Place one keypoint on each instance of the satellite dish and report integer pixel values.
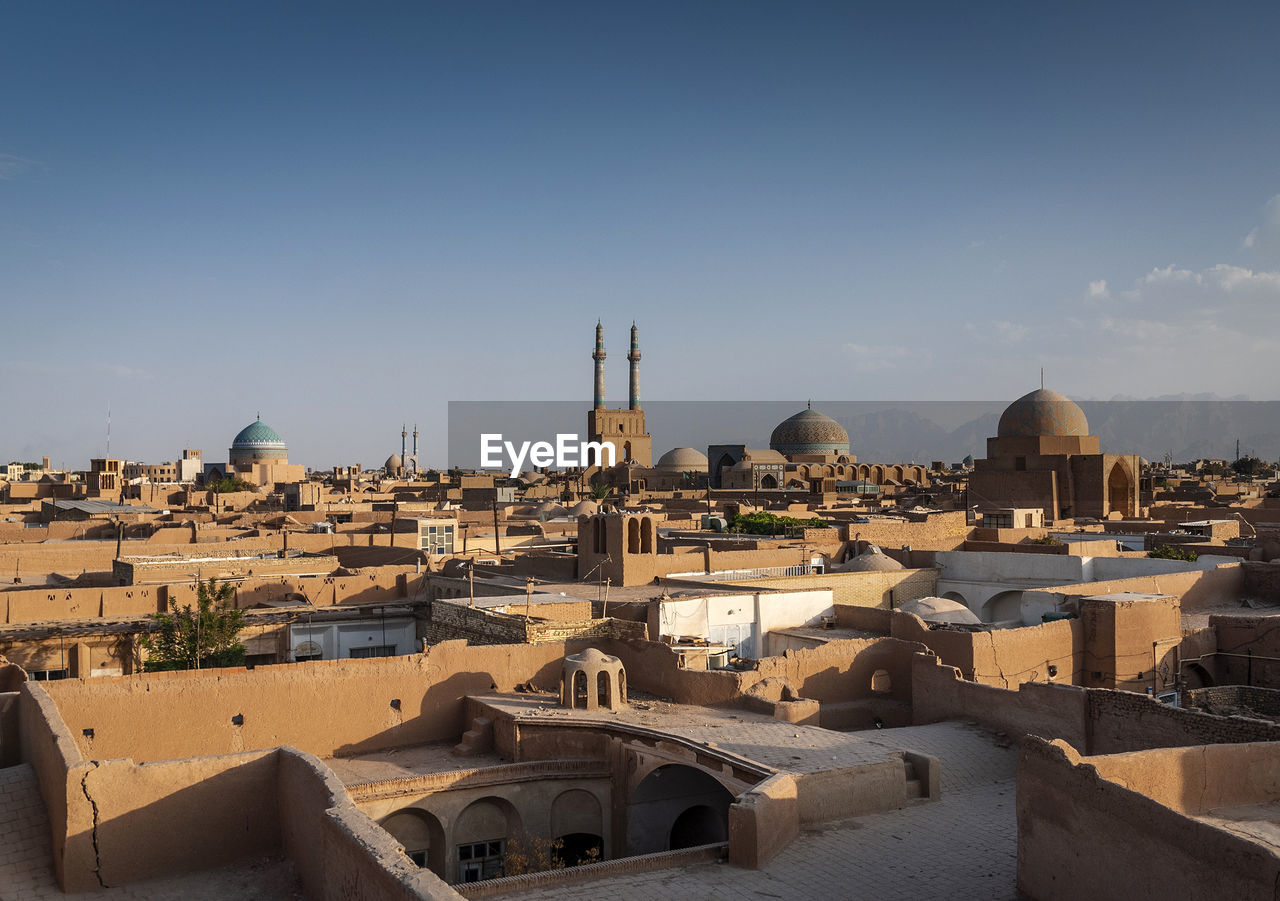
(307, 649)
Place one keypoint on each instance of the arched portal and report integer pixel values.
(633, 536)
(646, 536)
(768, 481)
(1119, 491)
(1003, 607)
(667, 794)
(699, 825)
(421, 835)
(578, 825)
(480, 836)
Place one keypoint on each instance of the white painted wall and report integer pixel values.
(742, 620)
(336, 639)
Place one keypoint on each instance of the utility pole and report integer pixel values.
(497, 535)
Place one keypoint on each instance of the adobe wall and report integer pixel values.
(178, 816)
(47, 745)
(1099, 721)
(1002, 657)
(763, 821)
(1261, 580)
(940, 532)
(1195, 589)
(10, 751)
(324, 707)
(44, 604)
(837, 674)
(1081, 835)
(1198, 780)
(1035, 708)
(338, 852)
(866, 589)
(1121, 721)
(1244, 643)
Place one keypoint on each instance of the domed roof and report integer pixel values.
(584, 508)
(683, 459)
(941, 610)
(1042, 412)
(871, 560)
(592, 656)
(393, 463)
(809, 432)
(257, 435)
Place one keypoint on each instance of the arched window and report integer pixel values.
(646, 536)
(880, 681)
(633, 536)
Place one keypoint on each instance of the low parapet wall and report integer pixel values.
(1083, 834)
(1096, 720)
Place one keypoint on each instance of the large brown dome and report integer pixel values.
(1042, 412)
(809, 432)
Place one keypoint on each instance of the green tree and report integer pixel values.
(197, 637)
(1248, 466)
(764, 523)
(1169, 552)
(229, 485)
(600, 490)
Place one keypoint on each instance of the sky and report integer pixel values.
(341, 217)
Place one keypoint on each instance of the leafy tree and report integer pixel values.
(600, 490)
(763, 523)
(229, 485)
(1248, 466)
(200, 637)
(1169, 552)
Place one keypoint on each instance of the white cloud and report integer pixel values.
(1264, 238)
(13, 166)
(1099, 288)
(877, 357)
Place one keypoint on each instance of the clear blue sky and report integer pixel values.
(344, 216)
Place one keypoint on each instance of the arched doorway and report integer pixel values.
(699, 825)
(667, 794)
(1119, 491)
(633, 536)
(768, 481)
(421, 835)
(578, 826)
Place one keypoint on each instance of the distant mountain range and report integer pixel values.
(1187, 426)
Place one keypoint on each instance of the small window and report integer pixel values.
(377, 650)
(880, 681)
(47, 675)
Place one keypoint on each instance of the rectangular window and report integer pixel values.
(480, 860)
(377, 650)
(47, 675)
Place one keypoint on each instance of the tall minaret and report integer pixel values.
(598, 356)
(415, 448)
(404, 433)
(634, 357)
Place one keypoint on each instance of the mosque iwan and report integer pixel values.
(1048, 671)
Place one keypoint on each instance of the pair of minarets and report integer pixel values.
(404, 433)
(634, 357)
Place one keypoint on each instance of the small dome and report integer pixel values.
(393, 464)
(258, 435)
(1042, 412)
(872, 560)
(941, 610)
(809, 432)
(548, 509)
(592, 655)
(584, 508)
(683, 459)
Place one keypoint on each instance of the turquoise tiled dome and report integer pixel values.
(258, 435)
